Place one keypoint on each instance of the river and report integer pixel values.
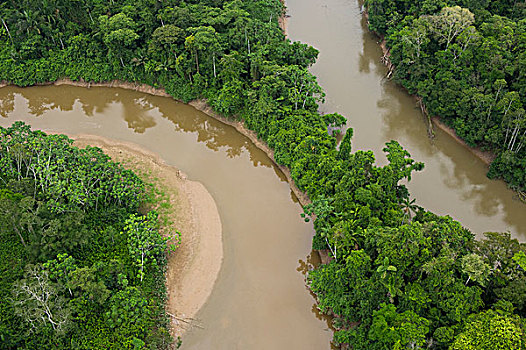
(454, 181)
(259, 300)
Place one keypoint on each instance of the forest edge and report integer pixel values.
(486, 156)
(194, 267)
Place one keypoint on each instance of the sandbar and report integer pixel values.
(193, 268)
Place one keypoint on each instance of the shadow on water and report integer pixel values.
(263, 234)
(455, 166)
(304, 267)
(137, 111)
(91, 102)
(369, 56)
(454, 180)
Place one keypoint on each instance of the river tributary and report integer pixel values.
(349, 69)
(260, 300)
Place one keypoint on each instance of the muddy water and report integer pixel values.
(350, 71)
(260, 300)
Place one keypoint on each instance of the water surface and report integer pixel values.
(349, 69)
(260, 300)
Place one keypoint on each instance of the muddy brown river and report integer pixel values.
(349, 69)
(260, 300)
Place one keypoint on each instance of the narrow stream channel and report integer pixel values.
(260, 300)
(349, 69)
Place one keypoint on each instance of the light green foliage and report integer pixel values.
(414, 40)
(443, 335)
(347, 289)
(303, 89)
(61, 209)
(475, 268)
(145, 244)
(388, 277)
(398, 330)
(203, 40)
(490, 330)
(164, 46)
(118, 31)
(398, 273)
(520, 259)
(67, 177)
(400, 162)
(60, 269)
(450, 23)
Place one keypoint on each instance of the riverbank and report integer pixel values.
(283, 20)
(185, 206)
(486, 156)
(200, 105)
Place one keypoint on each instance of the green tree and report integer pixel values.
(166, 39)
(490, 330)
(145, 245)
(204, 40)
(388, 277)
(85, 282)
(128, 307)
(11, 211)
(60, 269)
(520, 259)
(398, 331)
(451, 22)
(477, 270)
(118, 34)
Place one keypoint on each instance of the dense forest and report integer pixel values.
(80, 267)
(399, 276)
(466, 60)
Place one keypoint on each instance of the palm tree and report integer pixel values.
(408, 207)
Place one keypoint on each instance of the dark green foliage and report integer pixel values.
(400, 277)
(466, 60)
(64, 264)
(427, 276)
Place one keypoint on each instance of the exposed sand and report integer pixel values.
(193, 268)
(486, 156)
(197, 104)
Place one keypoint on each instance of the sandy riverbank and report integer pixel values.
(200, 105)
(193, 268)
(486, 156)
